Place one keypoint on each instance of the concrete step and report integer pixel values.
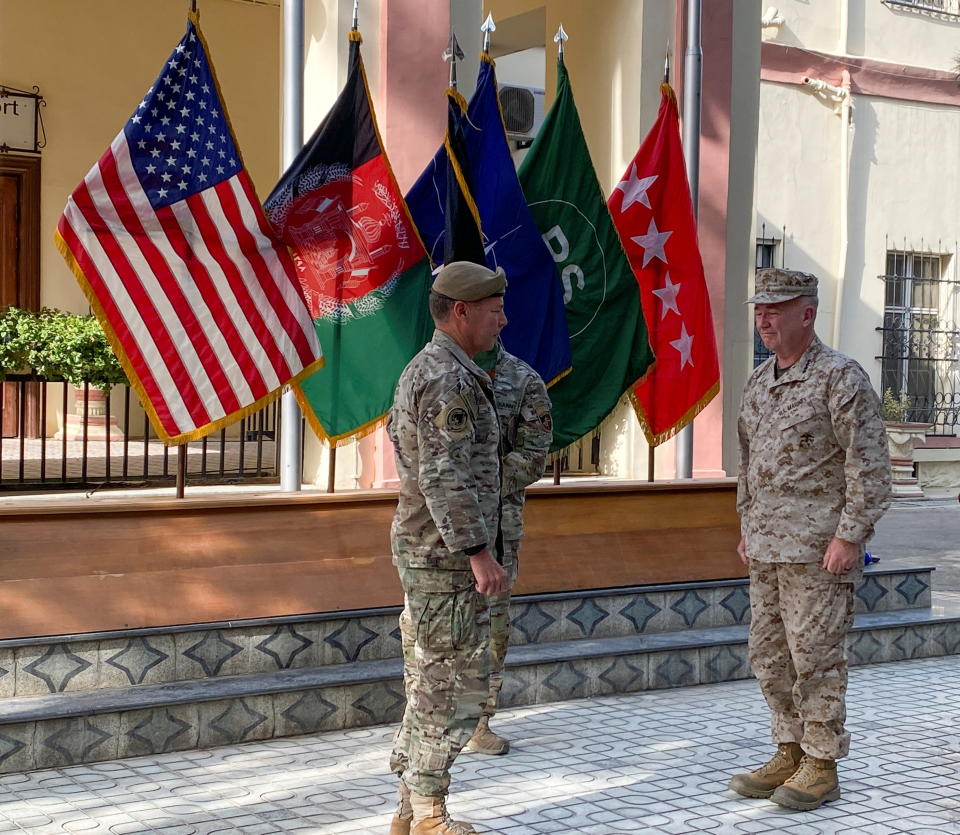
(65, 728)
(147, 657)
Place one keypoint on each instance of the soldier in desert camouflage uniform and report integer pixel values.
(814, 479)
(526, 430)
(446, 539)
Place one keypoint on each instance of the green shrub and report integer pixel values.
(894, 409)
(57, 346)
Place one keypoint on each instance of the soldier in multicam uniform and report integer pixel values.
(446, 540)
(526, 430)
(814, 479)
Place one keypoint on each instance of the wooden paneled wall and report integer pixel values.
(108, 564)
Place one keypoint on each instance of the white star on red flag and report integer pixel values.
(684, 345)
(668, 297)
(635, 189)
(652, 243)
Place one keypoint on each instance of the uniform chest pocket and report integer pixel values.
(805, 426)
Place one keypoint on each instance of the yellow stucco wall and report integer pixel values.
(615, 58)
(93, 61)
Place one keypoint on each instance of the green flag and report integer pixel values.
(608, 335)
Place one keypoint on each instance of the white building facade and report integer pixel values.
(858, 181)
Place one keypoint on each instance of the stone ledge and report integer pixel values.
(107, 701)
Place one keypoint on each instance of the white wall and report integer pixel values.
(873, 29)
(905, 185)
(904, 193)
(797, 185)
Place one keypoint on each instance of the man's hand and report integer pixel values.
(840, 556)
(742, 551)
(490, 576)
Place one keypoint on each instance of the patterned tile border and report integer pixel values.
(51, 743)
(145, 659)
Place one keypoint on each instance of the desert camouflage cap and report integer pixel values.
(775, 284)
(468, 282)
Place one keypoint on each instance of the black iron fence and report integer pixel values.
(103, 442)
(942, 411)
(920, 342)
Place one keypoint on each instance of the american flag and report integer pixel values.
(167, 238)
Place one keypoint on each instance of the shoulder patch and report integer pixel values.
(455, 418)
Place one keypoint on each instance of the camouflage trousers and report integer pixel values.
(499, 605)
(800, 615)
(445, 632)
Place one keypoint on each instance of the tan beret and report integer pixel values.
(776, 285)
(468, 282)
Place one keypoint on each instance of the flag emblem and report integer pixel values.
(346, 248)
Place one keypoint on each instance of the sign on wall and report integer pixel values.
(20, 125)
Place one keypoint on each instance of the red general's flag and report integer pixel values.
(652, 211)
(168, 241)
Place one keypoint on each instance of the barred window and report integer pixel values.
(766, 257)
(920, 339)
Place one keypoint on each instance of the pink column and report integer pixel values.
(412, 115)
(716, 41)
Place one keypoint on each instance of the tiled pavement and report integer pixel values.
(654, 762)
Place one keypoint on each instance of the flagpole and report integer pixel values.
(692, 77)
(182, 448)
(651, 449)
(291, 419)
(332, 459)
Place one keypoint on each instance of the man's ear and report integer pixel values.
(460, 309)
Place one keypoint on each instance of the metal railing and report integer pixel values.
(920, 343)
(947, 8)
(942, 411)
(93, 448)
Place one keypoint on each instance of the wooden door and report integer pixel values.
(9, 259)
(20, 268)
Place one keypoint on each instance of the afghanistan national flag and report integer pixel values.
(608, 335)
(364, 271)
(652, 210)
(476, 153)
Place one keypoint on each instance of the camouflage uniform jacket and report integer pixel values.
(813, 457)
(445, 433)
(526, 431)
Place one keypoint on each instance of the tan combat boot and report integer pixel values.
(430, 817)
(403, 818)
(775, 772)
(814, 784)
(485, 741)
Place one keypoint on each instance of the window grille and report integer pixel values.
(935, 8)
(766, 257)
(920, 337)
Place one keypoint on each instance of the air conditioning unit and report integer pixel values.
(522, 111)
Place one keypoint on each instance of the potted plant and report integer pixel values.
(67, 347)
(902, 435)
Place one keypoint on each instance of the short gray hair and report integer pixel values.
(440, 306)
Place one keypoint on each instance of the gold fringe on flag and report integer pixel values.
(137, 385)
(655, 440)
